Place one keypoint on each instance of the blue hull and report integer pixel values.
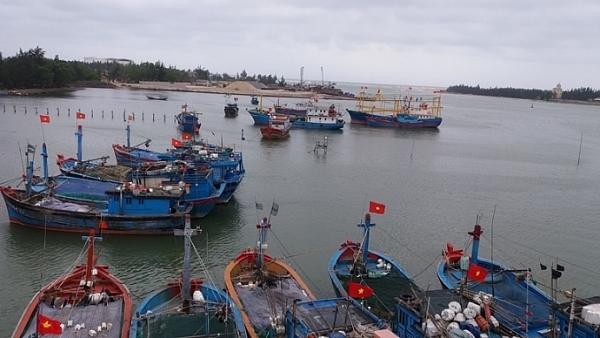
(203, 320)
(25, 212)
(188, 122)
(386, 121)
(316, 125)
(259, 117)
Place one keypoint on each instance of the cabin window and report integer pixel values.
(116, 198)
(127, 200)
(140, 201)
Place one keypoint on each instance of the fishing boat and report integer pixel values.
(231, 110)
(332, 317)
(188, 307)
(397, 111)
(367, 275)
(126, 209)
(513, 287)
(263, 287)
(320, 118)
(188, 120)
(279, 128)
(160, 97)
(260, 116)
(87, 300)
(254, 100)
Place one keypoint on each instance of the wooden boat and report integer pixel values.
(160, 97)
(231, 110)
(513, 287)
(279, 128)
(254, 100)
(187, 121)
(187, 307)
(320, 118)
(369, 276)
(332, 317)
(85, 301)
(263, 287)
(427, 109)
(260, 116)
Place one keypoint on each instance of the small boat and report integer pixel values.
(369, 276)
(263, 286)
(188, 120)
(85, 301)
(514, 287)
(279, 128)
(332, 317)
(160, 97)
(320, 118)
(187, 307)
(254, 101)
(231, 110)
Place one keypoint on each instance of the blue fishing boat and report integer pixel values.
(263, 287)
(521, 298)
(332, 317)
(368, 276)
(320, 118)
(188, 120)
(260, 116)
(402, 121)
(187, 307)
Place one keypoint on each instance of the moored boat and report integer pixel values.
(514, 287)
(254, 100)
(85, 301)
(279, 128)
(187, 121)
(402, 121)
(320, 118)
(367, 275)
(188, 307)
(160, 97)
(231, 110)
(263, 286)
(259, 116)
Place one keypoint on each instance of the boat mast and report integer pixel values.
(128, 136)
(79, 134)
(263, 226)
(44, 161)
(476, 234)
(187, 234)
(366, 225)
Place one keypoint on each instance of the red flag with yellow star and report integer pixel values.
(476, 273)
(48, 326)
(376, 208)
(357, 290)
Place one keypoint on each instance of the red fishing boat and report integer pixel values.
(87, 299)
(278, 128)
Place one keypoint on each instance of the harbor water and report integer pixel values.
(529, 172)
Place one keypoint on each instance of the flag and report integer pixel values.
(183, 106)
(543, 267)
(528, 313)
(30, 148)
(357, 290)
(560, 267)
(80, 115)
(376, 208)
(45, 118)
(48, 326)
(186, 136)
(175, 142)
(556, 274)
(274, 209)
(130, 118)
(258, 206)
(476, 273)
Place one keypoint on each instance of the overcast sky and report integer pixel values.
(491, 43)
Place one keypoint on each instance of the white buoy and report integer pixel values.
(92, 333)
(448, 315)
(198, 296)
(455, 306)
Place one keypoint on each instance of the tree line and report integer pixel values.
(579, 94)
(31, 69)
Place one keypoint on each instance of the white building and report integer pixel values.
(93, 59)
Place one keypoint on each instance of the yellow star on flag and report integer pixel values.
(361, 290)
(46, 324)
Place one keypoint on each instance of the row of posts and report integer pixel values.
(130, 117)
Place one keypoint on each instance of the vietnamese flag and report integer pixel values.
(80, 115)
(376, 208)
(48, 326)
(357, 290)
(45, 118)
(476, 273)
(175, 142)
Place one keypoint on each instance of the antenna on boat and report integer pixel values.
(187, 234)
(580, 143)
(492, 246)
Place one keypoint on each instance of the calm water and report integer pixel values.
(489, 153)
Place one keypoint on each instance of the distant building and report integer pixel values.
(93, 59)
(557, 92)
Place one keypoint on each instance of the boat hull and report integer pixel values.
(259, 118)
(317, 125)
(31, 215)
(388, 121)
(231, 110)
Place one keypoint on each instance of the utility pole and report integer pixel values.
(301, 76)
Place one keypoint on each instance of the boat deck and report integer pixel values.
(332, 315)
(258, 300)
(91, 315)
